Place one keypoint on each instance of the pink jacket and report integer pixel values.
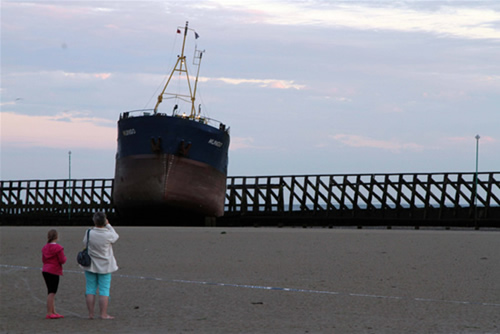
(53, 258)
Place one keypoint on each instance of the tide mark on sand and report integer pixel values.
(271, 288)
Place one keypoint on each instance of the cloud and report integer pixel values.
(265, 83)
(86, 76)
(490, 78)
(390, 108)
(9, 103)
(360, 141)
(59, 75)
(446, 20)
(460, 141)
(238, 143)
(65, 130)
(449, 95)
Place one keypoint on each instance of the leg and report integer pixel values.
(90, 292)
(103, 305)
(104, 283)
(90, 305)
(51, 303)
(52, 282)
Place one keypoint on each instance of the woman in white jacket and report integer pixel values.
(98, 274)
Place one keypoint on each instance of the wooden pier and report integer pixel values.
(368, 199)
(417, 199)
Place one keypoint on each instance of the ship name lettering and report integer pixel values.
(129, 132)
(215, 142)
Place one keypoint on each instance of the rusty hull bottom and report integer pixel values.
(168, 185)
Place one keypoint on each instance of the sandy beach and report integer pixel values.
(264, 280)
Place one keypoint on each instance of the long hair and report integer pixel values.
(51, 236)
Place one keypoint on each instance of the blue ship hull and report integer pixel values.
(170, 162)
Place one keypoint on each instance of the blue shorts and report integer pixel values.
(95, 281)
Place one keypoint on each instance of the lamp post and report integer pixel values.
(69, 163)
(69, 178)
(475, 185)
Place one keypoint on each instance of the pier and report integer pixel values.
(405, 199)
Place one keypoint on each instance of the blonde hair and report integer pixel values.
(51, 236)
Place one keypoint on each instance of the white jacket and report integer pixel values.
(101, 240)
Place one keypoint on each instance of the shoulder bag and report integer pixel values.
(83, 257)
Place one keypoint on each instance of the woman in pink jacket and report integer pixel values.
(53, 258)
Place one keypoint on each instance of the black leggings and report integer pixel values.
(52, 282)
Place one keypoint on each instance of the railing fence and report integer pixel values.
(425, 197)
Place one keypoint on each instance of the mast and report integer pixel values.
(181, 60)
(198, 55)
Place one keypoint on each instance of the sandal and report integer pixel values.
(52, 316)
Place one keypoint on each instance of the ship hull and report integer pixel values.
(168, 180)
(168, 164)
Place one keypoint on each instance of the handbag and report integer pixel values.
(83, 257)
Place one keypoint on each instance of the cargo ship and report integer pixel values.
(175, 161)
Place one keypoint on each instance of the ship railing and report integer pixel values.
(137, 113)
(201, 119)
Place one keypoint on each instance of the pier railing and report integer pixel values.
(423, 197)
(41, 200)
(418, 198)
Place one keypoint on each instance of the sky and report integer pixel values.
(306, 87)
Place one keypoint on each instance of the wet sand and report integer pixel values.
(264, 280)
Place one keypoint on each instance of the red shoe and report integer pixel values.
(52, 316)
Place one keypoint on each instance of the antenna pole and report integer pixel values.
(184, 43)
(193, 109)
